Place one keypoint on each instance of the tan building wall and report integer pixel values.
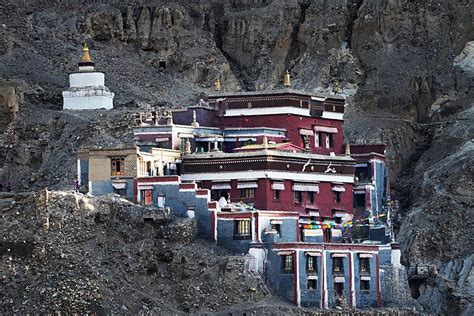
(100, 168)
(162, 156)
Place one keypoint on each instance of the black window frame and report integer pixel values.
(287, 265)
(365, 285)
(117, 163)
(276, 227)
(338, 285)
(238, 234)
(337, 196)
(310, 197)
(245, 193)
(338, 268)
(312, 284)
(297, 197)
(364, 265)
(276, 195)
(320, 140)
(311, 265)
(330, 140)
(358, 201)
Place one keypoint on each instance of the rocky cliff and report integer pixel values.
(406, 68)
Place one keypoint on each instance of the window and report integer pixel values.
(318, 139)
(364, 265)
(276, 195)
(247, 193)
(327, 235)
(305, 141)
(118, 166)
(287, 263)
(365, 285)
(121, 192)
(359, 200)
(242, 229)
(162, 65)
(311, 264)
(277, 228)
(361, 173)
(182, 144)
(330, 140)
(337, 197)
(339, 288)
(146, 197)
(297, 196)
(337, 265)
(312, 285)
(310, 197)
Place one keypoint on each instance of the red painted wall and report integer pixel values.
(264, 198)
(292, 123)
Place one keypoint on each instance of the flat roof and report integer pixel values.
(273, 92)
(268, 152)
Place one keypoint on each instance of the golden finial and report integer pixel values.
(86, 58)
(287, 80)
(217, 85)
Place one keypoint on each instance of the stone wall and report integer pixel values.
(11, 101)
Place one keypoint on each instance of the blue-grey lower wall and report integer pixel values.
(130, 189)
(203, 219)
(225, 237)
(105, 187)
(101, 187)
(281, 283)
(330, 279)
(365, 298)
(309, 297)
(84, 169)
(287, 232)
(172, 198)
(180, 202)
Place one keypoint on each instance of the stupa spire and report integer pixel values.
(86, 63)
(86, 57)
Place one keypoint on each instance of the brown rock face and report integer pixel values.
(11, 101)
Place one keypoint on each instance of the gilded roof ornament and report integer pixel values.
(217, 85)
(86, 58)
(287, 80)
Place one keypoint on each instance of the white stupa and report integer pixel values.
(87, 89)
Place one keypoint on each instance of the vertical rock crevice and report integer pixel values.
(353, 7)
(297, 46)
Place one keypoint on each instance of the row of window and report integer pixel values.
(242, 229)
(249, 194)
(312, 267)
(298, 197)
(319, 140)
(312, 285)
(337, 268)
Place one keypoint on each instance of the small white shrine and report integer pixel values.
(87, 88)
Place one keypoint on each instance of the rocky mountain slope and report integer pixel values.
(65, 252)
(406, 68)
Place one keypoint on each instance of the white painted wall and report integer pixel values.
(259, 255)
(87, 102)
(87, 92)
(86, 79)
